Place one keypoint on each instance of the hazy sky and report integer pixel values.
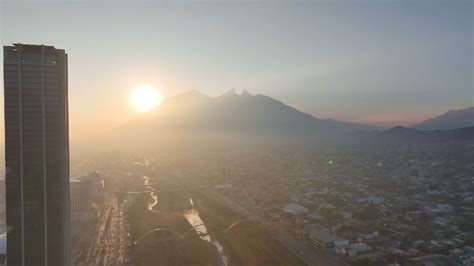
(369, 61)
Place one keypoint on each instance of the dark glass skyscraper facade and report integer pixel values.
(36, 155)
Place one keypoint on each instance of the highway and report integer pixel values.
(110, 244)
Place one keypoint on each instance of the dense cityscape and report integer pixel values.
(237, 133)
(278, 188)
(337, 205)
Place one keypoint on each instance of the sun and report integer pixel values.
(145, 97)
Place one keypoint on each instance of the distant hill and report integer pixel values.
(231, 114)
(193, 120)
(400, 134)
(450, 120)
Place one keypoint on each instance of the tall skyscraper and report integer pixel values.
(36, 155)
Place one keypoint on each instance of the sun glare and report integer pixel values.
(145, 97)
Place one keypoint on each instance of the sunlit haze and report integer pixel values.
(376, 62)
(145, 97)
(223, 132)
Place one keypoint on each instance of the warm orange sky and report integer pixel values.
(383, 62)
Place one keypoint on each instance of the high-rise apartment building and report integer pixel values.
(36, 155)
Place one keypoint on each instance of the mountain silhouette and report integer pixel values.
(403, 135)
(233, 113)
(450, 120)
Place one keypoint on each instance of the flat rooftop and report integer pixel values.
(325, 236)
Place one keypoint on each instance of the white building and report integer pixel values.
(295, 209)
(324, 239)
(373, 200)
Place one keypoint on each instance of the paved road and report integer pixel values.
(110, 245)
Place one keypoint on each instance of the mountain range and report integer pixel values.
(450, 120)
(400, 134)
(235, 113)
(236, 116)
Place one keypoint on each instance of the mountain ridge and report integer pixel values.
(236, 113)
(196, 118)
(404, 135)
(451, 119)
